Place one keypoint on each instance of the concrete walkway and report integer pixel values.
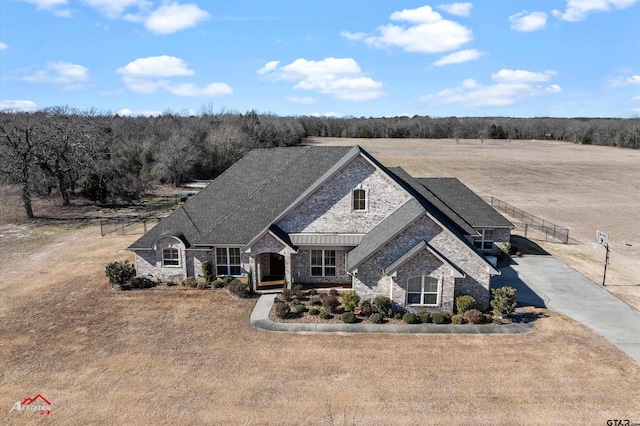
(260, 319)
(544, 281)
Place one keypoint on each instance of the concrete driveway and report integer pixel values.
(544, 281)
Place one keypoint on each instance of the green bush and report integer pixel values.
(314, 311)
(424, 317)
(464, 303)
(282, 310)
(296, 302)
(120, 273)
(437, 318)
(227, 280)
(203, 284)
(506, 248)
(504, 301)
(376, 318)
(350, 300)
(325, 315)
(298, 309)
(190, 282)
(217, 284)
(383, 305)
(330, 303)
(238, 288)
(171, 283)
(207, 270)
(487, 318)
(458, 319)
(140, 282)
(348, 317)
(410, 318)
(474, 316)
(315, 300)
(366, 308)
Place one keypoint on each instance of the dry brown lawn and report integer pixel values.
(581, 187)
(191, 357)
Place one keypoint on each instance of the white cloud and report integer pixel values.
(459, 57)
(60, 72)
(340, 78)
(18, 105)
(46, 4)
(458, 9)
(428, 32)
(174, 17)
(190, 89)
(148, 75)
(510, 87)
(3, 46)
(577, 10)
(269, 66)
(626, 81)
(156, 66)
(528, 22)
(305, 100)
(114, 9)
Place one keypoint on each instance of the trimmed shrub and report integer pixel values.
(464, 303)
(315, 300)
(237, 288)
(227, 280)
(348, 317)
(330, 303)
(474, 316)
(314, 311)
(325, 315)
(333, 292)
(202, 285)
(217, 284)
(138, 282)
(119, 273)
(437, 318)
(207, 270)
(366, 308)
(297, 291)
(506, 248)
(487, 318)
(504, 301)
(458, 319)
(171, 283)
(190, 282)
(410, 318)
(383, 305)
(298, 309)
(296, 302)
(282, 310)
(424, 317)
(376, 318)
(286, 294)
(350, 300)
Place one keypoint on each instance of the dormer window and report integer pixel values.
(359, 199)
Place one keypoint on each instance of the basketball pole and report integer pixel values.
(606, 262)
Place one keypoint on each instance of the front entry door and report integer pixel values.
(276, 264)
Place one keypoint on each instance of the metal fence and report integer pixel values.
(130, 225)
(532, 222)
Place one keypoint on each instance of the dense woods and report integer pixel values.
(62, 151)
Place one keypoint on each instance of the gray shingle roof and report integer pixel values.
(466, 203)
(245, 199)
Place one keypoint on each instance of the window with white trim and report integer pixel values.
(359, 199)
(170, 257)
(423, 290)
(323, 263)
(485, 240)
(228, 261)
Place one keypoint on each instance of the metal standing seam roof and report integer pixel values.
(336, 240)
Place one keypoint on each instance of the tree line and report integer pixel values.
(107, 157)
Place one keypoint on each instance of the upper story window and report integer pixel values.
(170, 257)
(228, 261)
(359, 199)
(485, 240)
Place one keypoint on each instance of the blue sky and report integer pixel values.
(516, 58)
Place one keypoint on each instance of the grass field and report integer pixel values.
(191, 357)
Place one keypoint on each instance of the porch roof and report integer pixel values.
(335, 240)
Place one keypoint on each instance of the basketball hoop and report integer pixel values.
(603, 239)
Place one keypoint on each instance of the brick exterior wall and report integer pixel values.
(149, 262)
(330, 208)
(301, 269)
